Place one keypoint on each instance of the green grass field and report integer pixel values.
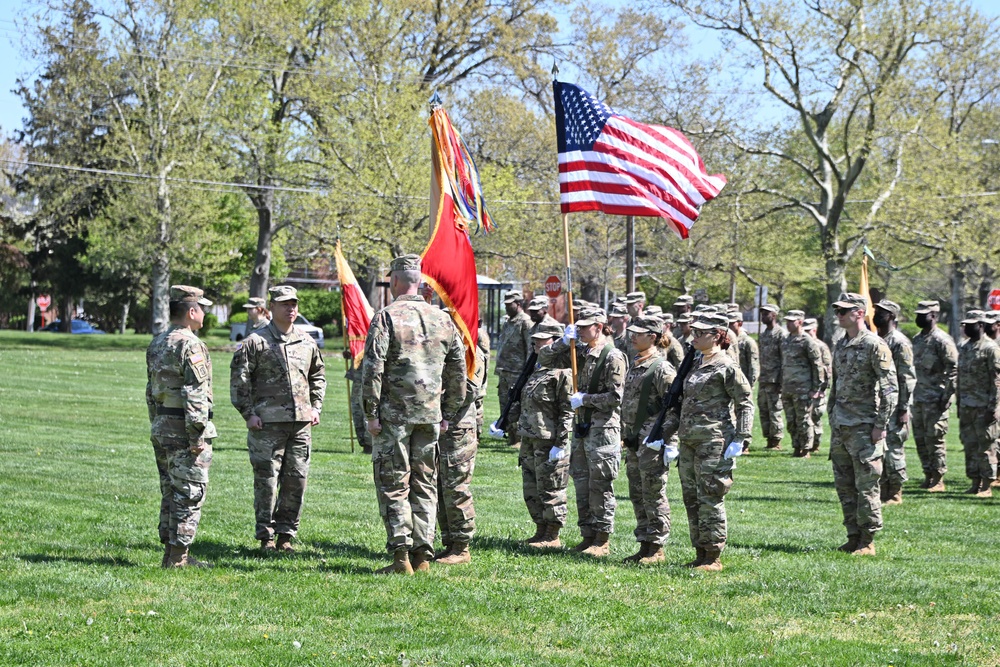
(80, 582)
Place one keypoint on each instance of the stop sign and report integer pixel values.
(553, 287)
(44, 301)
(993, 301)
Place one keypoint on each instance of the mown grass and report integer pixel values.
(79, 556)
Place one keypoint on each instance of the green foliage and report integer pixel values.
(319, 306)
(237, 316)
(332, 331)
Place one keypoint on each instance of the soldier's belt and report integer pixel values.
(175, 412)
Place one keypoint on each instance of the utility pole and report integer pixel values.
(629, 253)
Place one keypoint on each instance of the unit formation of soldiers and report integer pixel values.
(654, 390)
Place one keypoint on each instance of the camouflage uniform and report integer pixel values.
(801, 377)
(646, 471)
(894, 473)
(820, 405)
(513, 349)
(717, 409)
(670, 347)
(749, 357)
(357, 409)
(413, 376)
(546, 422)
(457, 449)
(936, 362)
(596, 456)
(862, 398)
(978, 407)
(483, 341)
(179, 400)
(769, 390)
(281, 379)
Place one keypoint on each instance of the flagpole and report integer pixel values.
(348, 363)
(569, 293)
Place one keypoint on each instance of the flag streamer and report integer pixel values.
(460, 176)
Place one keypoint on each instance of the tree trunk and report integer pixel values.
(31, 313)
(160, 278)
(261, 274)
(124, 323)
(836, 284)
(957, 298)
(66, 325)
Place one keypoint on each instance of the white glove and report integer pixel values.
(576, 400)
(655, 445)
(495, 432)
(670, 452)
(734, 449)
(557, 453)
(569, 333)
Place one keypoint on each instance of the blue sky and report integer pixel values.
(16, 65)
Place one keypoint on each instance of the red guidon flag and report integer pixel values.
(357, 311)
(610, 163)
(448, 263)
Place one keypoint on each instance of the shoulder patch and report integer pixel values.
(197, 358)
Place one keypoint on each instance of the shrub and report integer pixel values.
(238, 317)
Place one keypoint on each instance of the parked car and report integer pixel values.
(75, 326)
(238, 332)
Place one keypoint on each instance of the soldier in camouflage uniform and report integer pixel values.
(596, 453)
(483, 343)
(819, 406)
(353, 374)
(257, 315)
(646, 386)
(546, 427)
(862, 401)
(670, 347)
(717, 410)
(457, 449)
(769, 391)
(413, 383)
(179, 399)
(618, 319)
(978, 394)
(747, 352)
(801, 378)
(513, 350)
(682, 306)
(538, 312)
(635, 303)
(277, 382)
(936, 362)
(683, 331)
(894, 470)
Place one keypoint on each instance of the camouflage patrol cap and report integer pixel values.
(539, 303)
(668, 318)
(795, 315)
(654, 310)
(684, 299)
(810, 323)
(635, 297)
(590, 316)
(646, 324)
(707, 321)
(548, 330)
(283, 293)
(618, 310)
(408, 262)
(703, 308)
(992, 316)
(889, 306)
(685, 318)
(732, 307)
(975, 317)
(770, 308)
(924, 307)
(852, 301)
(734, 316)
(255, 302)
(579, 304)
(186, 293)
(513, 295)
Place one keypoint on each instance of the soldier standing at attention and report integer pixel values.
(801, 378)
(635, 303)
(819, 406)
(413, 378)
(646, 386)
(546, 427)
(179, 399)
(894, 470)
(257, 315)
(512, 353)
(357, 410)
(457, 448)
(483, 343)
(862, 401)
(596, 453)
(683, 331)
(749, 355)
(717, 411)
(277, 382)
(936, 362)
(538, 312)
(670, 347)
(618, 319)
(979, 403)
(769, 391)
(682, 306)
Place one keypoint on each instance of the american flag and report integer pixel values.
(610, 163)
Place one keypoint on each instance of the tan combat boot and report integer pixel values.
(936, 484)
(600, 548)
(639, 555)
(459, 555)
(866, 547)
(400, 564)
(551, 538)
(926, 484)
(538, 536)
(179, 557)
(284, 544)
(588, 541)
(995, 483)
(699, 557)
(443, 553)
(851, 545)
(895, 495)
(420, 562)
(711, 562)
(267, 545)
(985, 491)
(974, 489)
(653, 555)
(774, 443)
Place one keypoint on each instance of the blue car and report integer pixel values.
(75, 326)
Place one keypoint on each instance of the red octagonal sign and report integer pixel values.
(993, 301)
(553, 287)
